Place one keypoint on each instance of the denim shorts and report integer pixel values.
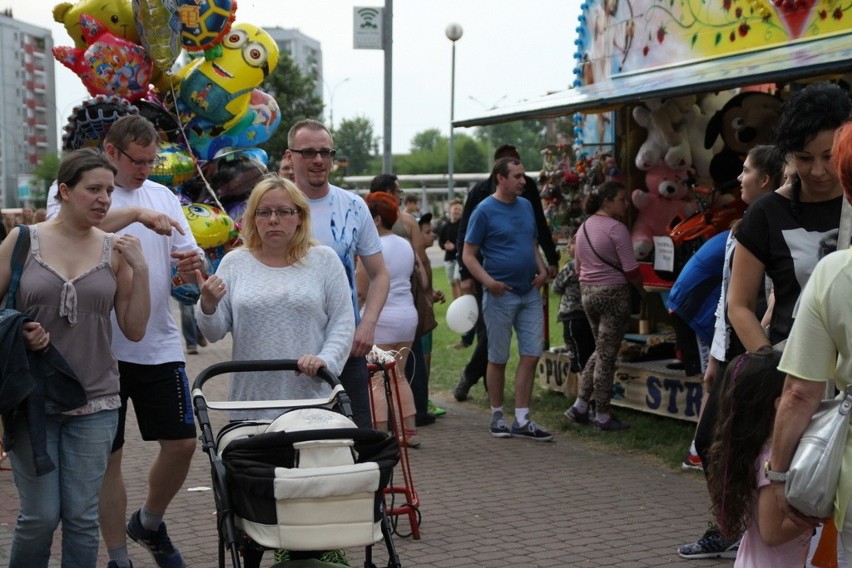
(523, 313)
(451, 267)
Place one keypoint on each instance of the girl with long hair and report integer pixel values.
(740, 501)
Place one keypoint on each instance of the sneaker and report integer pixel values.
(113, 564)
(711, 545)
(202, 341)
(532, 431)
(192, 351)
(337, 557)
(459, 345)
(434, 408)
(498, 426)
(692, 462)
(574, 415)
(424, 419)
(157, 542)
(612, 424)
(461, 390)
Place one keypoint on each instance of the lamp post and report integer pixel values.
(331, 101)
(454, 33)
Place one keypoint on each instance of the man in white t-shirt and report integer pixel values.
(340, 219)
(151, 371)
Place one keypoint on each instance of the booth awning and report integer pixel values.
(787, 62)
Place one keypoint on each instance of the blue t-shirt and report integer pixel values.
(342, 221)
(506, 233)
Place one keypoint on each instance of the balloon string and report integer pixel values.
(186, 141)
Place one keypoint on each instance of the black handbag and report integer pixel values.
(19, 256)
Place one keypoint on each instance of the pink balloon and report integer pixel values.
(109, 65)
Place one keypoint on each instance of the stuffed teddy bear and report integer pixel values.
(745, 121)
(667, 197)
(697, 120)
(115, 15)
(666, 121)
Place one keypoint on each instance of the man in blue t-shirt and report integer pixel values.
(503, 228)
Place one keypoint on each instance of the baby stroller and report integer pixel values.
(308, 480)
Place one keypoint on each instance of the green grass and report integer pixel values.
(654, 438)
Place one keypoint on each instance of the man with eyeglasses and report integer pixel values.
(151, 371)
(341, 220)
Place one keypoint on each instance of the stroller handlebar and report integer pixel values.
(258, 365)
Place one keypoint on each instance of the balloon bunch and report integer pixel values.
(209, 111)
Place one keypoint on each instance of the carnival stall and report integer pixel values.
(669, 97)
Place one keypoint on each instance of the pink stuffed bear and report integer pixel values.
(667, 197)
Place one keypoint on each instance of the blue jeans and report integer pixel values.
(188, 326)
(80, 447)
(523, 313)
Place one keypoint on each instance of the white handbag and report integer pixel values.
(815, 470)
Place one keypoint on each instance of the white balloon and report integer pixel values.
(462, 314)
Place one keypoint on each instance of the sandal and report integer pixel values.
(410, 438)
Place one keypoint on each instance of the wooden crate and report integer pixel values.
(554, 372)
(650, 386)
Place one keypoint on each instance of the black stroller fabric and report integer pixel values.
(250, 465)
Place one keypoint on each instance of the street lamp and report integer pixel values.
(331, 101)
(454, 33)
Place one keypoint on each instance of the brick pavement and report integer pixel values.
(484, 501)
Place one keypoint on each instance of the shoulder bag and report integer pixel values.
(815, 470)
(426, 321)
(19, 257)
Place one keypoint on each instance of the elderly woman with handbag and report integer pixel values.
(818, 350)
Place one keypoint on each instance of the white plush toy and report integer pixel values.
(698, 118)
(654, 147)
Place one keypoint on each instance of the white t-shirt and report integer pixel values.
(162, 342)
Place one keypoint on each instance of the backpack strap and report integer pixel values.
(19, 256)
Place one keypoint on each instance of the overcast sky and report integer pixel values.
(511, 51)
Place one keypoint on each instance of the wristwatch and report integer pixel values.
(774, 476)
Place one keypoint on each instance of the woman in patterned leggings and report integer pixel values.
(607, 268)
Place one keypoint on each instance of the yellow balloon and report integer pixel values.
(210, 226)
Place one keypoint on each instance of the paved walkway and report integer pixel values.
(484, 501)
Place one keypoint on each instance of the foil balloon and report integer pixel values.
(215, 95)
(210, 226)
(175, 165)
(115, 15)
(159, 31)
(89, 122)
(109, 65)
(165, 122)
(231, 176)
(204, 22)
(255, 127)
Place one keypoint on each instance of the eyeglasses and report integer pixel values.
(310, 153)
(141, 163)
(281, 213)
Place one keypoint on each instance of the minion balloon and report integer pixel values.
(215, 95)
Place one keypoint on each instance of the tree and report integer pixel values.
(527, 135)
(426, 140)
(45, 173)
(355, 139)
(429, 152)
(470, 156)
(296, 95)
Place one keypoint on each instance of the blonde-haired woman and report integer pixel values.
(282, 296)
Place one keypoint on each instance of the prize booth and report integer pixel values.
(673, 94)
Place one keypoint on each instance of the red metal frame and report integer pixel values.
(412, 501)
